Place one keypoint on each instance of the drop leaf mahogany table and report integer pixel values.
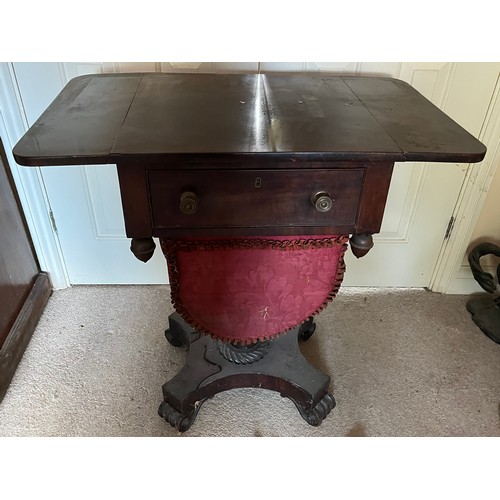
(254, 185)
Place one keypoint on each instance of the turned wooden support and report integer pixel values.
(143, 248)
(361, 244)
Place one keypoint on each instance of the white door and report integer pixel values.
(85, 201)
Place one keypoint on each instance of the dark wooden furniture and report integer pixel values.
(242, 155)
(24, 289)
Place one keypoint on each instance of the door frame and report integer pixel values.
(35, 202)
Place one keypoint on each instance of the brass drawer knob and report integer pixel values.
(322, 201)
(189, 203)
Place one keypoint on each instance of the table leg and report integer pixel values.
(213, 366)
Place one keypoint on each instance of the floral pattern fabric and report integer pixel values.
(247, 289)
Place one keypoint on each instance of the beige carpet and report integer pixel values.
(402, 362)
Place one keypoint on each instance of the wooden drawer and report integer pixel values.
(254, 198)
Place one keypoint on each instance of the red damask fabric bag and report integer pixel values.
(247, 289)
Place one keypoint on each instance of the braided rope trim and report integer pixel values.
(171, 246)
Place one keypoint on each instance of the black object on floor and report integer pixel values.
(485, 310)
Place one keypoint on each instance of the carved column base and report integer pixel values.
(279, 366)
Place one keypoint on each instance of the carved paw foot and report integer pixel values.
(316, 415)
(176, 419)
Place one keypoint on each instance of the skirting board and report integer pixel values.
(20, 334)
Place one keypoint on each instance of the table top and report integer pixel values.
(105, 118)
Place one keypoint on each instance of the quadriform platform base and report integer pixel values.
(213, 366)
(245, 156)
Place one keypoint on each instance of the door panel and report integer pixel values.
(102, 191)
